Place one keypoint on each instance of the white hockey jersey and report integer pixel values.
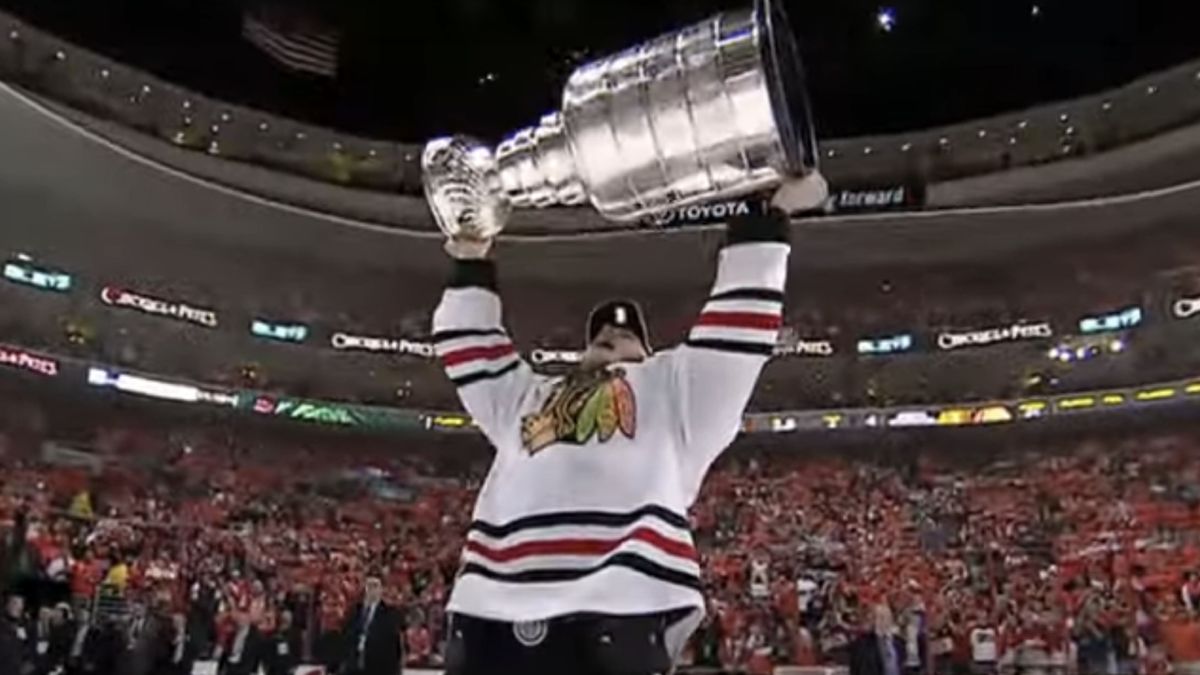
(585, 506)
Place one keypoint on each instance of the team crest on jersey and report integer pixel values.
(530, 633)
(582, 406)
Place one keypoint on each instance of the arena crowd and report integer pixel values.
(135, 547)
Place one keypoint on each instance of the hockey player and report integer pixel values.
(579, 559)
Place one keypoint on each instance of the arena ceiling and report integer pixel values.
(411, 70)
(64, 189)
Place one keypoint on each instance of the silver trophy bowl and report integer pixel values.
(461, 182)
(713, 111)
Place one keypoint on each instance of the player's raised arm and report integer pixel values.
(714, 372)
(475, 349)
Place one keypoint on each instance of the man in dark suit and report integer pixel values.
(144, 637)
(105, 646)
(14, 637)
(283, 647)
(51, 638)
(371, 635)
(244, 653)
(178, 650)
(878, 651)
(203, 604)
(60, 634)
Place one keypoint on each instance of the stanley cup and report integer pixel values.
(716, 110)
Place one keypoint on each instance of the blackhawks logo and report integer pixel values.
(581, 406)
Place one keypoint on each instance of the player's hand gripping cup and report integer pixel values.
(579, 558)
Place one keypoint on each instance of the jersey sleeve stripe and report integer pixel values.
(448, 335)
(467, 355)
(736, 347)
(741, 320)
(768, 294)
(482, 375)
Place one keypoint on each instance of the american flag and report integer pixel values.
(294, 40)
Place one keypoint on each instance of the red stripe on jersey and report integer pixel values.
(468, 354)
(593, 547)
(741, 320)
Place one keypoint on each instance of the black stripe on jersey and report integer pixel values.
(631, 561)
(604, 518)
(485, 375)
(767, 294)
(734, 346)
(447, 335)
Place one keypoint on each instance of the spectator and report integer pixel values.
(371, 636)
(144, 639)
(14, 638)
(117, 578)
(1189, 592)
(284, 646)
(985, 647)
(916, 640)
(181, 649)
(82, 645)
(418, 641)
(104, 648)
(244, 653)
(878, 650)
(203, 604)
(1128, 649)
(51, 640)
(1094, 646)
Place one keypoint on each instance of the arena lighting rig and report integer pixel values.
(384, 419)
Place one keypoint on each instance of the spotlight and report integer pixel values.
(886, 19)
